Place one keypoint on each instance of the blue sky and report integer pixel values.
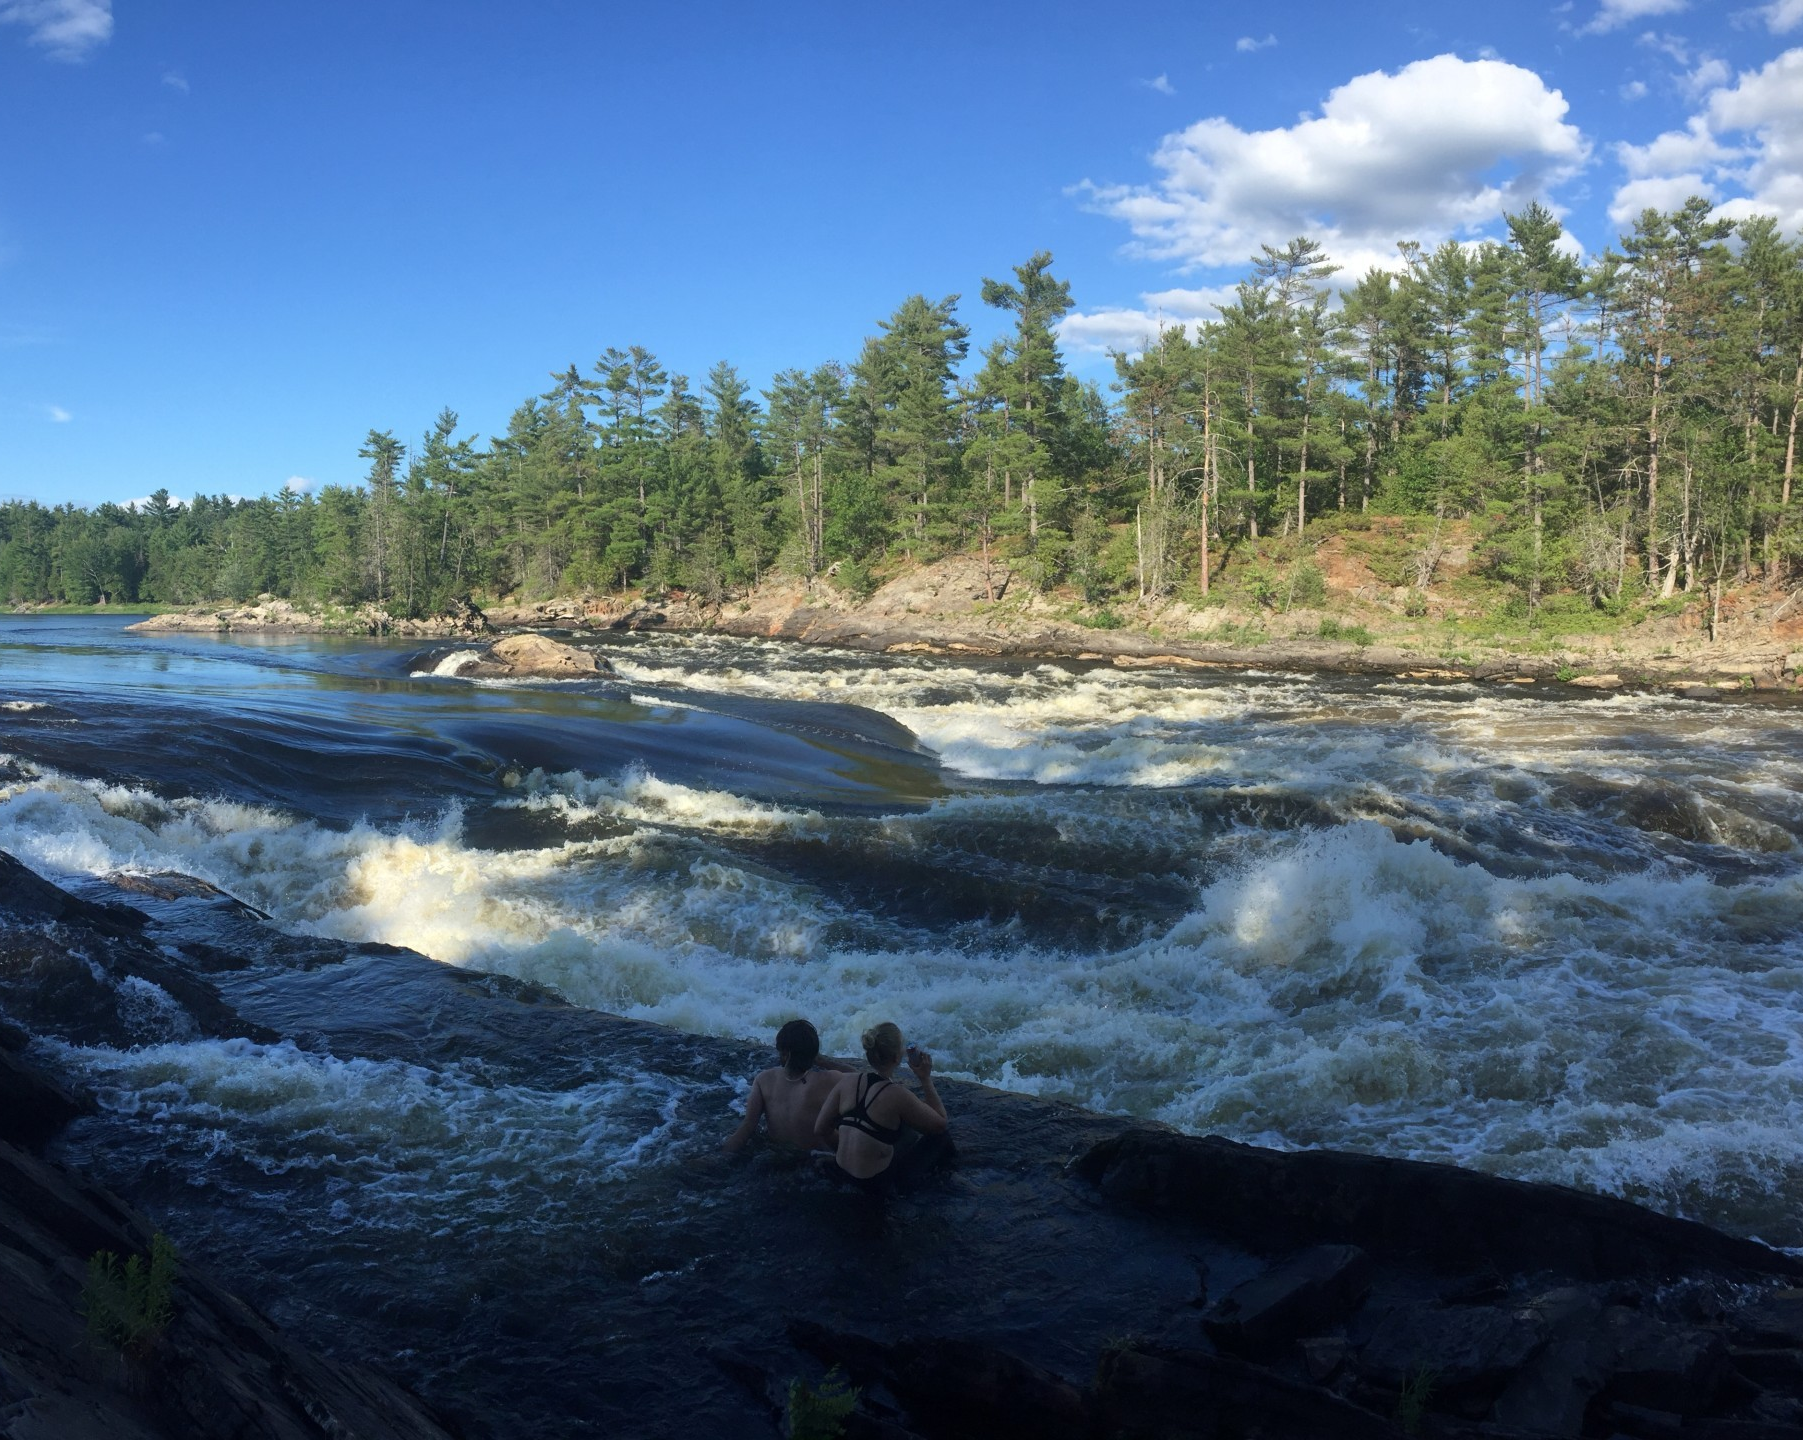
(234, 237)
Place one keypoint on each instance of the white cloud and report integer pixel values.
(1675, 47)
(1634, 90)
(1712, 71)
(67, 29)
(153, 137)
(299, 484)
(1132, 328)
(58, 415)
(1613, 14)
(1441, 147)
(175, 80)
(1160, 83)
(1246, 44)
(1783, 16)
(1746, 143)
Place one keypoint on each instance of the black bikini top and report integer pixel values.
(859, 1117)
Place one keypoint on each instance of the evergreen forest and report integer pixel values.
(1609, 433)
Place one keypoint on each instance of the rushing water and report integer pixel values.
(1556, 936)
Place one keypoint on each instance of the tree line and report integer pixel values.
(1611, 430)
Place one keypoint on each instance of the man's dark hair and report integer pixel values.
(799, 1043)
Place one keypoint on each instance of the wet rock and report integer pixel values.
(84, 971)
(1551, 1394)
(33, 1107)
(1661, 1367)
(1405, 1209)
(1775, 1320)
(1304, 1295)
(219, 1372)
(955, 1388)
(26, 897)
(538, 657)
(1646, 1424)
(1141, 1394)
(1464, 1351)
(1770, 1366)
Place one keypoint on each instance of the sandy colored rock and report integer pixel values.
(1598, 682)
(537, 657)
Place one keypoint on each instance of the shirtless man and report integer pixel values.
(789, 1096)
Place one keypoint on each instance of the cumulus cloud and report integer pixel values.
(299, 484)
(1246, 44)
(1745, 144)
(1442, 147)
(67, 29)
(1160, 83)
(1634, 90)
(1711, 72)
(1131, 328)
(58, 415)
(1613, 14)
(1782, 16)
(175, 80)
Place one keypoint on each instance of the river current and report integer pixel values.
(1548, 934)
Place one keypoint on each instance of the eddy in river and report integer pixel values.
(789, 1095)
(866, 1116)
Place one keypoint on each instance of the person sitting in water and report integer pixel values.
(788, 1097)
(866, 1116)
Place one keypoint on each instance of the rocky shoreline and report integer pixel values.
(1078, 1277)
(218, 1368)
(956, 608)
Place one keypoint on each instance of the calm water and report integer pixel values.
(1556, 937)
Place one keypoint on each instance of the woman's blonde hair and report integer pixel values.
(883, 1044)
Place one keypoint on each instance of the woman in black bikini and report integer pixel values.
(865, 1116)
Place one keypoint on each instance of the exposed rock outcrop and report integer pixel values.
(270, 615)
(533, 657)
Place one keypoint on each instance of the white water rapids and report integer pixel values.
(1561, 940)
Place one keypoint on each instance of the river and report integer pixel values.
(1548, 934)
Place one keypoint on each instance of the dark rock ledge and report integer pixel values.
(1399, 1298)
(221, 1369)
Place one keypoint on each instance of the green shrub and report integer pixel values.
(1103, 619)
(130, 1306)
(1263, 586)
(819, 1412)
(1308, 586)
(854, 577)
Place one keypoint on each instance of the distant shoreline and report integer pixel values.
(945, 610)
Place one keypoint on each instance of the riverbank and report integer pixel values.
(960, 607)
(1076, 1276)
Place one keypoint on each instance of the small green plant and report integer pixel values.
(1332, 629)
(1414, 604)
(1411, 1404)
(1103, 619)
(130, 1306)
(1746, 682)
(819, 1412)
(1565, 674)
(853, 576)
